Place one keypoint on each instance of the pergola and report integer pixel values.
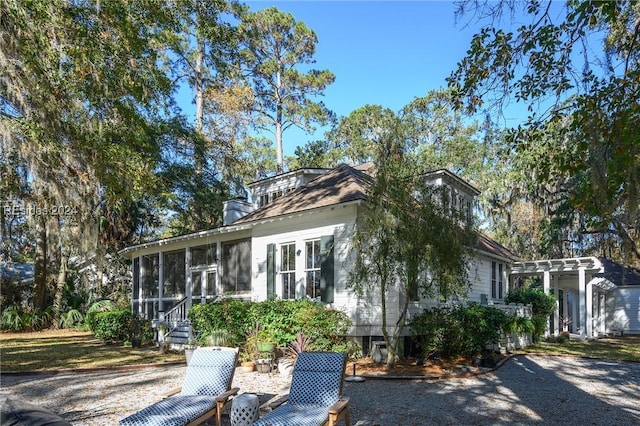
(583, 295)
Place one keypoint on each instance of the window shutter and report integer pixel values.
(271, 271)
(326, 268)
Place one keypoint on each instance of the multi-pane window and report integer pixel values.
(288, 270)
(497, 284)
(312, 268)
(500, 286)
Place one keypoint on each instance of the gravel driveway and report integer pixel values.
(525, 390)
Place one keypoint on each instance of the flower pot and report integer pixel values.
(188, 353)
(263, 368)
(247, 366)
(266, 346)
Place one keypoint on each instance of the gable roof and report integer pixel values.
(617, 273)
(340, 185)
(489, 245)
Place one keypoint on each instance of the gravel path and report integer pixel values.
(525, 390)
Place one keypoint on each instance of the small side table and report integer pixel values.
(244, 409)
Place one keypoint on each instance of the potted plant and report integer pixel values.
(189, 347)
(286, 363)
(247, 364)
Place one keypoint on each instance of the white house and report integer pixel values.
(292, 240)
(599, 296)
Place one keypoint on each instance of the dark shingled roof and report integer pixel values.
(487, 244)
(617, 273)
(339, 185)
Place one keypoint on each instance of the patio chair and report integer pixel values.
(205, 391)
(315, 395)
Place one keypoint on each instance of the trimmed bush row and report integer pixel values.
(280, 320)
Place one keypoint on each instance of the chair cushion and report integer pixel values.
(210, 372)
(174, 411)
(295, 414)
(317, 378)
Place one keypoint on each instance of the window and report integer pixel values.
(288, 270)
(312, 268)
(236, 267)
(263, 200)
(173, 274)
(500, 281)
(203, 255)
(494, 290)
(497, 286)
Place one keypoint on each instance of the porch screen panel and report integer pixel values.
(135, 292)
(196, 284)
(211, 284)
(174, 274)
(236, 263)
(150, 275)
(205, 255)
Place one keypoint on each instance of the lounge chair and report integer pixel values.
(315, 395)
(204, 392)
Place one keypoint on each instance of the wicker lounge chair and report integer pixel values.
(315, 395)
(205, 391)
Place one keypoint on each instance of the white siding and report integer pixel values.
(623, 310)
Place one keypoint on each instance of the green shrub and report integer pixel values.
(542, 305)
(112, 326)
(17, 318)
(280, 319)
(457, 331)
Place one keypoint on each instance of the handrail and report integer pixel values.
(173, 317)
(177, 313)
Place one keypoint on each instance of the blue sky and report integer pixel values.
(381, 52)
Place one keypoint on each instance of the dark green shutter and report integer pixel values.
(326, 268)
(271, 271)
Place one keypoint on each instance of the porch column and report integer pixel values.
(589, 311)
(556, 310)
(582, 288)
(546, 284)
(187, 275)
(574, 312)
(160, 286)
(140, 275)
(565, 306)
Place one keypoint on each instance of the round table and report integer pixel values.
(244, 409)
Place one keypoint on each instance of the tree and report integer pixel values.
(201, 51)
(581, 94)
(408, 241)
(357, 136)
(275, 45)
(80, 90)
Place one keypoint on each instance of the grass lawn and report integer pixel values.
(62, 349)
(625, 348)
